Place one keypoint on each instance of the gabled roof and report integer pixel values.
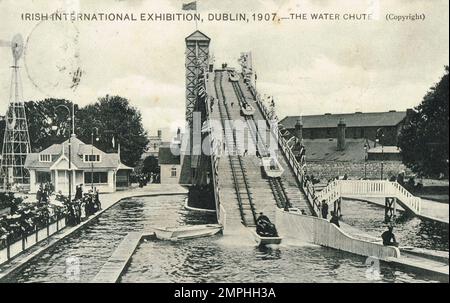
(391, 118)
(79, 149)
(197, 36)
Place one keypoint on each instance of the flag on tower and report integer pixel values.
(191, 6)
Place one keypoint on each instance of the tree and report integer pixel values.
(151, 165)
(116, 122)
(112, 116)
(42, 116)
(424, 139)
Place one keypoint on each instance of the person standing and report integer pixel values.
(334, 219)
(97, 200)
(324, 209)
(79, 192)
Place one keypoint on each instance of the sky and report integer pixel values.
(309, 66)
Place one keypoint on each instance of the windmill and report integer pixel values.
(16, 140)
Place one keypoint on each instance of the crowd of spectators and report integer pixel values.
(19, 219)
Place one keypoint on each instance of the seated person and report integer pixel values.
(264, 227)
(389, 237)
(273, 164)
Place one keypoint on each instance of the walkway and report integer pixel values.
(108, 200)
(113, 268)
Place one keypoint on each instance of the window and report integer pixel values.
(45, 158)
(43, 177)
(97, 177)
(91, 158)
(173, 172)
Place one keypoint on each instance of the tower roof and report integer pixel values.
(197, 36)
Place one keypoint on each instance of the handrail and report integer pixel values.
(377, 188)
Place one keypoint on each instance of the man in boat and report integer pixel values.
(389, 237)
(273, 164)
(264, 227)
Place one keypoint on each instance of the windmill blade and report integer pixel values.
(17, 46)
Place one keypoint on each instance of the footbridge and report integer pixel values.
(392, 192)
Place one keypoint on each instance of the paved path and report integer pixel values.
(108, 200)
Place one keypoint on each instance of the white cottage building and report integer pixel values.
(89, 166)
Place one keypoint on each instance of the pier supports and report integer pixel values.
(390, 208)
(337, 207)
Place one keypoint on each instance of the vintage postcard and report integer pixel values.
(201, 141)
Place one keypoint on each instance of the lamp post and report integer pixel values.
(365, 161)
(72, 120)
(92, 155)
(380, 136)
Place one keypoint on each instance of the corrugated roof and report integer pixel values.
(351, 120)
(326, 150)
(166, 156)
(79, 148)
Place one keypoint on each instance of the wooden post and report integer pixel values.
(389, 209)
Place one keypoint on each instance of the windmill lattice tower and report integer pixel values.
(16, 141)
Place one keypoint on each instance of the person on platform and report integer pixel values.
(98, 204)
(324, 209)
(389, 237)
(39, 193)
(334, 219)
(79, 192)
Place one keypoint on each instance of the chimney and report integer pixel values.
(159, 133)
(299, 129)
(341, 134)
(179, 134)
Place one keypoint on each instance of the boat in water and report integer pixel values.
(260, 240)
(186, 232)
